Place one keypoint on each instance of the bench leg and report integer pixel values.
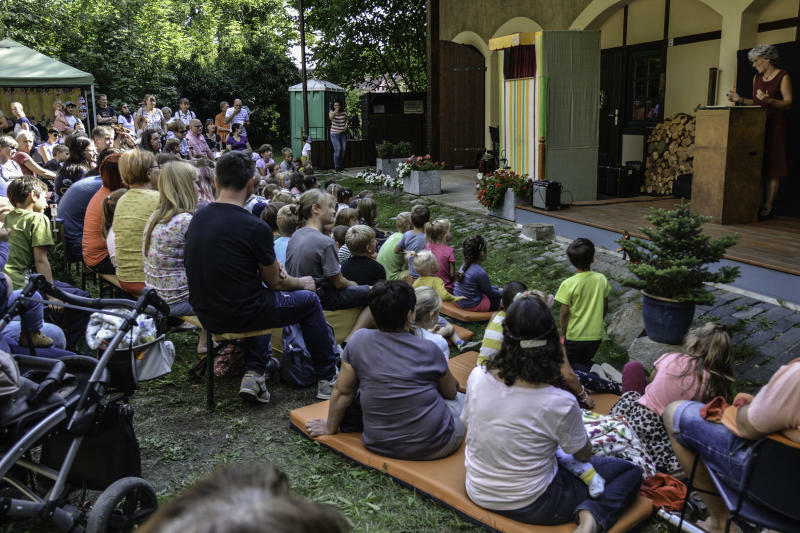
(210, 372)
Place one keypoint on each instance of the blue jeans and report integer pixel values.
(355, 296)
(567, 494)
(721, 451)
(339, 141)
(291, 307)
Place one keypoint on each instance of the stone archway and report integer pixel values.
(517, 25)
(598, 8)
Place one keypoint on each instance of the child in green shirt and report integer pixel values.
(394, 264)
(584, 303)
(29, 241)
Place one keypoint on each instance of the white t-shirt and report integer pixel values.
(128, 124)
(185, 117)
(111, 245)
(306, 150)
(437, 339)
(512, 436)
(240, 118)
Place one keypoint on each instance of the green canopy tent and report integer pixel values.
(23, 67)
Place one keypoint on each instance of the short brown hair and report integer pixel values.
(135, 165)
(346, 217)
(288, 221)
(21, 188)
(420, 215)
(358, 239)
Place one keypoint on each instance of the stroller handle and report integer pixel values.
(148, 298)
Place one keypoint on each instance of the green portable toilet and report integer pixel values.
(321, 95)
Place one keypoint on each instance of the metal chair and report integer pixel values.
(768, 493)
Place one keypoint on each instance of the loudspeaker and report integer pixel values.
(546, 195)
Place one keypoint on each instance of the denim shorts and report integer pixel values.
(721, 450)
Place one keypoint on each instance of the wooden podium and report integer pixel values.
(729, 150)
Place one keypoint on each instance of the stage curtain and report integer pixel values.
(520, 62)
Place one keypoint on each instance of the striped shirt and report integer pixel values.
(339, 123)
(492, 338)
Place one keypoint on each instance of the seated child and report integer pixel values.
(296, 186)
(395, 264)
(428, 324)
(343, 198)
(426, 265)
(269, 190)
(361, 266)
(584, 303)
(472, 281)
(367, 214)
(270, 216)
(437, 233)
(310, 181)
(493, 335)
(283, 196)
(339, 235)
(287, 225)
(287, 165)
(346, 217)
(29, 242)
(414, 239)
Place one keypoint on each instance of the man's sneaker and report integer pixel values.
(325, 388)
(39, 339)
(253, 388)
(469, 346)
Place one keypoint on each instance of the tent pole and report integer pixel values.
(94, 112)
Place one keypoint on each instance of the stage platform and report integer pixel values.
(768, 252)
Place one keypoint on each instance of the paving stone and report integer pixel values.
(772, 349)
(760, 337)
(725, 297)
(789, 338)
(746, 300)
(750, 312)
(785, 323)
(776, 312)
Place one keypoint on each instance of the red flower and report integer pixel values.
(427, 156)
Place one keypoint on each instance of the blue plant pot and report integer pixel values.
(666, 321)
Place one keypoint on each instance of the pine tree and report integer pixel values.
(673, 261)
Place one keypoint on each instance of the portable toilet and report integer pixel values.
(321, 95)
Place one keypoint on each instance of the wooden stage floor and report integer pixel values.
(773, 244)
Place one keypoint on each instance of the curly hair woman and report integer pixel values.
(511, 457)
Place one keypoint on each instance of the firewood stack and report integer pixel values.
(670, 149)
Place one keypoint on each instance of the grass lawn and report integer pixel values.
(181, 442)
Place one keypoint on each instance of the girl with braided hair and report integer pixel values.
(511, 459)
(472, 281)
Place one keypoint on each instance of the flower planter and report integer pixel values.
(666, 321)
(423, 183)
(506, 209)
(388, 167)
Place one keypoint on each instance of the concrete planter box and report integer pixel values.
(388, 167)
(506, 209)
(423, 183)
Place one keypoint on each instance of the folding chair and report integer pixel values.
(768, 493)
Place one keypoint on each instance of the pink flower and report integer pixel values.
(427, 156)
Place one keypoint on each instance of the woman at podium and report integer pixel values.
(772, 90)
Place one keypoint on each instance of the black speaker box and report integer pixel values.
(547, 195)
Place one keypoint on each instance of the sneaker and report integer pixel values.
(39, 339)
(325, 388)
(253, 388)
(470, 346)
(612, 373)
(599, 371)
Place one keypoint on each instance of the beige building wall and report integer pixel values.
(474, 22)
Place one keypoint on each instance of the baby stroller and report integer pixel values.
(66, 427)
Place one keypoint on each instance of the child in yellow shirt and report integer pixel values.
(426, 265)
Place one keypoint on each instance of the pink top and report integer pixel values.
(776, 407)
(197, 143)
(446, 256)
(668, 385)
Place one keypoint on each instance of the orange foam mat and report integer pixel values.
(443, 479)
(452, 310)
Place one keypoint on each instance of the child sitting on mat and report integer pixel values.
(428, 319)
(472, 281)
(437, 233)
(287, 223)
(361, 266)
(395, 264)
(427, 266)
(414, 239)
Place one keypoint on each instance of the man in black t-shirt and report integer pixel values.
(106, 116)
(229, 255)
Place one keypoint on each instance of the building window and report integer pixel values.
(519, 62)
(646, 70)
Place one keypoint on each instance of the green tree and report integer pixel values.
(205, 50)
(369, 39)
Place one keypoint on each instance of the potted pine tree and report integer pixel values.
(672, 267)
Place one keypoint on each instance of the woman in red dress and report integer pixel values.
(772, 89)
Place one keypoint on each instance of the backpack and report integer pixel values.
(297, 367)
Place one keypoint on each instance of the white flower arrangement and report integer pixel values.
(373, 178)
(404, 169)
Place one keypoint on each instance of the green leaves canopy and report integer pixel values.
(206, 51)
(375, 39)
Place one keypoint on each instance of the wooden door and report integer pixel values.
(612, 111)
(460, 109)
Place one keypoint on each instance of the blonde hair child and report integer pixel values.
(429, 325)
(427, 266)
(437, 233)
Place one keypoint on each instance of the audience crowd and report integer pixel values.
(185, 206)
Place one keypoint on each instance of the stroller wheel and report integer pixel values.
(125, 504)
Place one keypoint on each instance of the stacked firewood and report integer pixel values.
(670, 151)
